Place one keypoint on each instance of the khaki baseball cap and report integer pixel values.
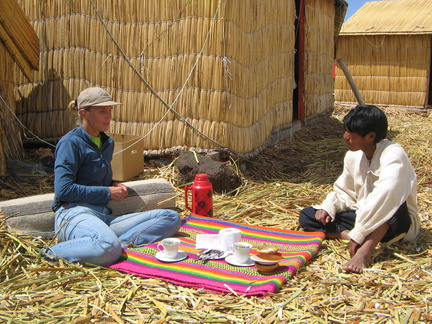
(95, 97)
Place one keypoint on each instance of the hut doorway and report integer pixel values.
(298, 105)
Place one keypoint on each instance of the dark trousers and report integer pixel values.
(399, 223)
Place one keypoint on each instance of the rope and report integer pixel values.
(170, 107)
(377, 46)
(22, 125)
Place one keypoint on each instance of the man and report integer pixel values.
(375, 198)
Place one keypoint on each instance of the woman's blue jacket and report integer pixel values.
(82, 171)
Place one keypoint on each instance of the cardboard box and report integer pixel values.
(129, 162)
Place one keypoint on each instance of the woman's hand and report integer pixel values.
(118, 191)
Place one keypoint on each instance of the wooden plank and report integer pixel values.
(33, 215)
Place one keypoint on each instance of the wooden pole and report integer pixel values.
(351, 81)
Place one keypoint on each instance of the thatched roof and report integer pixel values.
(19, 37)
(398, 17)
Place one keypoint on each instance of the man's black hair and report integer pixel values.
(364, 119)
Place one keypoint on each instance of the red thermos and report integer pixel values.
(202, 196)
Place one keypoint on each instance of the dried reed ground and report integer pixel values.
(277, 184)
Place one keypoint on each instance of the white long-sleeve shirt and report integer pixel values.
(375, 190)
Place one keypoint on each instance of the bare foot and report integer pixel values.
(361, 255)
(357, 262)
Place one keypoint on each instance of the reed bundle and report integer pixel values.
(18, 36)
(10, 139)
(225, 66)
(277, 184)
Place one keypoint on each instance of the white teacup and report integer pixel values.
(169, 247)
(241, 251)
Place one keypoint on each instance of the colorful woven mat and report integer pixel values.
(218, 276)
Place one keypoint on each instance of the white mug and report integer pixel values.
(241, 251)
(169, 247)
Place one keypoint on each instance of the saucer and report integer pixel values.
(264, 261)
(230, 259)
(180, 256)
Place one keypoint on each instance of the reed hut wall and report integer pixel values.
(198, 74)
(319, 56)
(392, 70)
(387, 48)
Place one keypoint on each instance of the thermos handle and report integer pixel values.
(186, 197)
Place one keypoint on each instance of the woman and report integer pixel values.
(83, 187)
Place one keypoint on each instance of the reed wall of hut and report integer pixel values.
(388, 70)
(319, 56)
(191, 74)
(386, 46)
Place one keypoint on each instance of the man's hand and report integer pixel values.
(322, 216)
(118, 191)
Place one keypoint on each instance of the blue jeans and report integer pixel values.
(88, 234)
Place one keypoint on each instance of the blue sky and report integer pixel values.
(354, 5)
